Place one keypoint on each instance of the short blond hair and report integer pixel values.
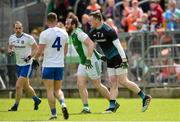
(17, 22)
(52, 17)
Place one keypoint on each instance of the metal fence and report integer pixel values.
(153, 57)
(154, 60)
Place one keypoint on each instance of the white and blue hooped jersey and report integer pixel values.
(22, 47)
(55, 40)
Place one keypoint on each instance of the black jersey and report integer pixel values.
(105, 36)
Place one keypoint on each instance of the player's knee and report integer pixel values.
(113, 83)
(56, 93)
(80, 84)
(123, 80)
(50, 93)
(18, 87)
(96, 83)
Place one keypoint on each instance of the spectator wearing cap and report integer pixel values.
(133, 16)
(125, 12)
(156, 11)
(172, 16)
(136, 8)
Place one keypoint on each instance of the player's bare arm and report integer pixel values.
(34, 49)
(90, 47)
(39, 51)
(65, 49)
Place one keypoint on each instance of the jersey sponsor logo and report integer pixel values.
(22, 42)
(20, 46)
(100, 40)
(100, 35)
(18, 41)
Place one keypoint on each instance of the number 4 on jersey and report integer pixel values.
(57, 44)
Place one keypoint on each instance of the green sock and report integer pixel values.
(86, 106)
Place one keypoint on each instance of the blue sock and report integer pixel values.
(53, 111)
(35, 98)
(141, 94)
(112, 103)
(16, 104)
(61, 101)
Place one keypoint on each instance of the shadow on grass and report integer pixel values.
(95, 113)
(7, 111)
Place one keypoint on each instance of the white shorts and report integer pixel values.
(116, 71)
(94, 73)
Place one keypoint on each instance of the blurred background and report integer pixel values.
(149, 31)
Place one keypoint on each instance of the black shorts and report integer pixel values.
(114, 62)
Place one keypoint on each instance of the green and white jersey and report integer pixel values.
(77, 38)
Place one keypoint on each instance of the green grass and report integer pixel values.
(130, 110)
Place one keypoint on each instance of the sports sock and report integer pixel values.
(35, 98)
(16, 104)
(62, 103)
(141, 94)
(86, 106)
(112, 103)
(53, 111)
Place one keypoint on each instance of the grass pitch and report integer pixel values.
(130, 110)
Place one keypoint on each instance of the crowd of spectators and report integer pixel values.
(131, 16)
(155, 16)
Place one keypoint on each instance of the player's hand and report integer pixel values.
(35, 64)
(11, 53)
(88, 64)
(124, 65)
(103, 58)
(27, 59)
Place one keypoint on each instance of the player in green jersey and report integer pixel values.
(90, 65)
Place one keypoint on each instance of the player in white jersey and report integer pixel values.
(23, 44)
(90, 63)
(53, 43)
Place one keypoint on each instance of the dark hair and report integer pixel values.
(74, 19)
(97, 15)
(51, 17)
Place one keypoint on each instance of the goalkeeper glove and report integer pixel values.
(88, 64)
(35, 64)
(100, 56)
(124, 64)
(11, 53)
(27, 59)
(103, 58)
